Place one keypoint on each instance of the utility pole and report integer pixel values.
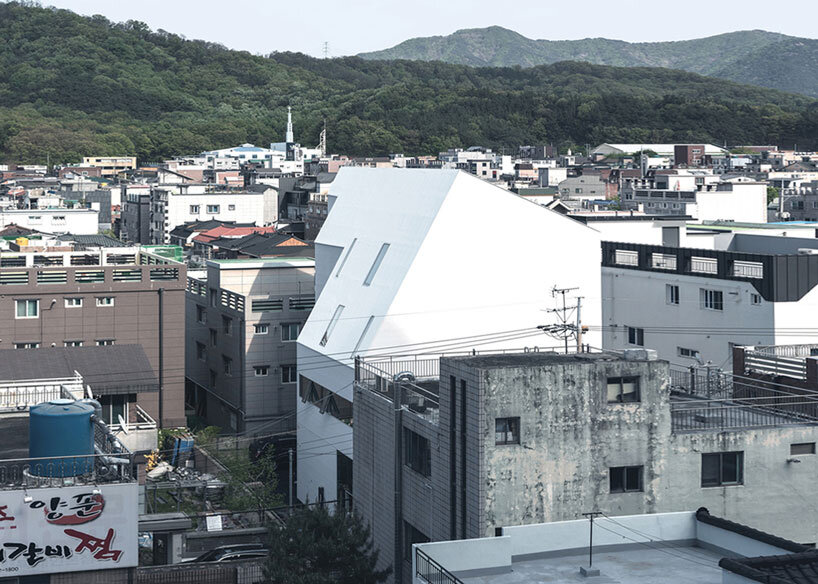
(564, 330)
(291, 479)
(590, 571)
(579, 324)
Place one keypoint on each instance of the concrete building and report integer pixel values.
(693, 305)
(59, 295)
(242, 321)
(697, 194)
(463, 447)
(583, 188)
(110, 165)
(666, 150)
(672, 548)
(403, 260)
(54, 221)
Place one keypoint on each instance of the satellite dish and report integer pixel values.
(88, 392)
(122, 423)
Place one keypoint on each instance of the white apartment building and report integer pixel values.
(57, 221)
(700, 195)
(406, 263)
(692, 305)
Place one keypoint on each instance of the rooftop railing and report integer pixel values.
(431, 572)
(66, 471)
(21, 395)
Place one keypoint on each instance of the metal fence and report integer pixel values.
(432, 572)
(706, 382)
(23, 473)
(235, 572)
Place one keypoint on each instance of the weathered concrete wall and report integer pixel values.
(777, 496)
(569, 437)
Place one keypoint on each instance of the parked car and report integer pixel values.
(225, 553)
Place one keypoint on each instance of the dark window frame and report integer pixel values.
(719, 458)
(636, 336)
(626, 479)
(511, 425)
(621, 395)
(417, 453)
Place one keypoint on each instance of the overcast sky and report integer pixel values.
(355, 26)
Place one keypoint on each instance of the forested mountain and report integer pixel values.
(73, 85)
(756, 57)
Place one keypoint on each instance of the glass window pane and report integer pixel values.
(614, 388)
(630, 390)
(617, 479)
(710, 469)
(633, 478)
(730, 468)
(117, 408)
(21, 308)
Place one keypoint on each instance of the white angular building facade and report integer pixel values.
(411, 261)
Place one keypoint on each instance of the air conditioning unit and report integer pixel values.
(807, 251)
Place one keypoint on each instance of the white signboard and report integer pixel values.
(68, 529)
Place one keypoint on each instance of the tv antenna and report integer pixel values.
(565, 329)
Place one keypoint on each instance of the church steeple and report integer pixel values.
(289, 137)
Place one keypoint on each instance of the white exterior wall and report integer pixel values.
(443, 283)
(76, 221)
(249, 208)
(639, 299)
(746, 203)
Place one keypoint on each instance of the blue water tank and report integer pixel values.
(61, 434)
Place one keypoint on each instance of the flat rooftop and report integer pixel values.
(535, 358)
(638, 565)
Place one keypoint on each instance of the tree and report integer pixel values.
(772, 194)
(251, 484)
(319, 547)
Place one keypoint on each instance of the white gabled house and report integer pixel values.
(412, 261)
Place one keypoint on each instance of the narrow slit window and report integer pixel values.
(363, 334)
(345, 258)
(333, 321)
(376, 264)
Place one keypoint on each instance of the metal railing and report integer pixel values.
(761, 412)
(757, 362)
(64, 471)
(707, 382)
(21, 395)
(430, 571)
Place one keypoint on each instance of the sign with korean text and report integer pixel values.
(68, 529)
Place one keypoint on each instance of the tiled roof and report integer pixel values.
(801, 568)
(108, 369)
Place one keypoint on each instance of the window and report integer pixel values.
(289, 331)
(201, 352)
(346, 257)
(623, 390)
(261, 370)
(201, 314)
(212, 379)
(802, 448)
(411, 536)
(212, 208)
(417, 452)
(214, 337)
(28, 308)
(227, 365)
(625, 479)
(261, 329)
(672, 293)
(114, 407)
(231, 207)
(105, 301)
(227, 325)
(333, 321)
(73, 343)
(194, 209)
(376, 264)
(712, 299)
(26, 345)
(688, 353)
(636, 336)
(722, 468)
(506, 431)
(104, 342)
(288, 374)
(755, 299)
(73, 302)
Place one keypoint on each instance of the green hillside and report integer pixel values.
(73, 86)
(756, 57)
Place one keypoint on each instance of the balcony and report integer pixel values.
(138, 436)
(18, 396)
